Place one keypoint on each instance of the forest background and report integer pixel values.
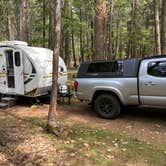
(91, 29)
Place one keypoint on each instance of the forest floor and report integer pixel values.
(136, 138)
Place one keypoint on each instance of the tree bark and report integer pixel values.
(67, 41)
(99, 42)
(92, 38)
(67, 48)
(44, 22)
(163, 28)
(133, 29)
(81, 39)
(53, 125)
(10, 32)
(51, 42)
(49, 29)
(110, 53)
(22, 28)
(117, 37)
(157, 27)
(73, 48)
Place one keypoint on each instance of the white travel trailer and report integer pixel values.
(27, 71)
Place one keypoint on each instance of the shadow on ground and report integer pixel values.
(83, 109)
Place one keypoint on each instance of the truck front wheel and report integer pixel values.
(107, 106)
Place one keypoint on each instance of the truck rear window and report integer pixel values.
(105, 67)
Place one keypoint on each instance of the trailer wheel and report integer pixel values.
(107, 106)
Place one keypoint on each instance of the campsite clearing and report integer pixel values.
(136, 138)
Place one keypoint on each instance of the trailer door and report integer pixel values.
(3, 74)
(18, 72)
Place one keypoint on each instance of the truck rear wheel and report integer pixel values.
(107, 106)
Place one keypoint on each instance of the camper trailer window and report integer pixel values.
(17, 58)
(61, 69)
(9, 58)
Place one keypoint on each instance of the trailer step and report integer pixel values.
(9, 101)
(3, 105)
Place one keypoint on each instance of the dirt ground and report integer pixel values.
(148, 125)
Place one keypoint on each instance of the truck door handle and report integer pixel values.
(150, 84)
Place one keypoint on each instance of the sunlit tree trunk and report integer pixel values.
(67, 39)
(73, 48)
(117, 37)
(110, 51)
(133, 29)
(99, 28)
(92, 38)
(163, 28)
(157, 27)
(67, 48)
(10, 30)
(51, 40)
(44, 22)
(81, 38)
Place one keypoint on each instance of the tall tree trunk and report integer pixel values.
(117, 37)
(63, 29)
(99, 42)
(92, 38)
(81, 39)
(62, 44)
(23, 29)
(73, 48)
(110, 51)
(133, 29)
(10, 32)
(67, 48)
(163, 28)
(53, 125)
(51, 41)
(49, 30)
(44, 22)
(67, 12)
(157, 27)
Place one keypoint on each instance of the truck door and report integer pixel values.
(153, 82)
(18, 72)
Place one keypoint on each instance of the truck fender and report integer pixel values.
(111, 90)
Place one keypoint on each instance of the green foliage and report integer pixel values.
(78, 17)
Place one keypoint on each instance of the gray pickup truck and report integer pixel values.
(110, 85)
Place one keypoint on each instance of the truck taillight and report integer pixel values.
(75, 85)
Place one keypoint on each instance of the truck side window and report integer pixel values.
(105, 67)
(157, 69)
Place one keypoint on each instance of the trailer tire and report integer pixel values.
(107, 106)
